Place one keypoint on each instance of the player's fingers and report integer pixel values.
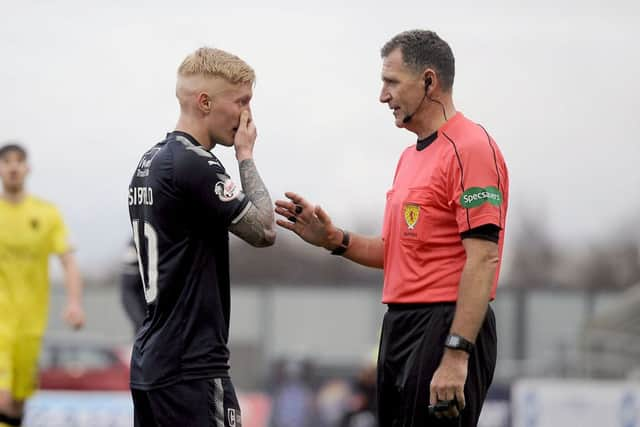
(433, 395)
(244, 119)
(251, 127)
(73, 319)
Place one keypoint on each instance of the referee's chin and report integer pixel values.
(399, 119)
(400, 123)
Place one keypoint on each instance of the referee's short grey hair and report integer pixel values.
(422, 49)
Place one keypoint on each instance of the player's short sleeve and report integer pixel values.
(476, 184)
(206, 184)
(59, 234)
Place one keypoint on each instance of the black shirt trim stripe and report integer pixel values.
(455, 149)
(495, 162)
(490, 232)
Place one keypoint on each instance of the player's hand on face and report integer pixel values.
(309, 222)
(74, 315)
(245, 137)
(448, 384)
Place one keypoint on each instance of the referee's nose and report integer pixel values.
(385, 96)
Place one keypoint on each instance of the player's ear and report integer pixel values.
(204, 102)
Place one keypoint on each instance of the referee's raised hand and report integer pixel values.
(308, 221)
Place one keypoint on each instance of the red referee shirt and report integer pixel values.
(457, 183)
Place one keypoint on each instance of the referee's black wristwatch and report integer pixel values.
(457, 342)
(346, 238)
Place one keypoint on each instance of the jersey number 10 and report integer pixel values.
(147, 259)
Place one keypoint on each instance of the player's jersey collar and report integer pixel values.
(185, 135)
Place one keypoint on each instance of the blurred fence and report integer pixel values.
(540, 332)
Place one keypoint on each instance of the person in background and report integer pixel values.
(31, 230)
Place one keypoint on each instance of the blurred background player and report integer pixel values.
(30, 230)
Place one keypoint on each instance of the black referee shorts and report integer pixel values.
(196, 403)
(411, 347)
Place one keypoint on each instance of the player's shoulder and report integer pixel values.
(189, 155)
(42, 208)
(38, 202)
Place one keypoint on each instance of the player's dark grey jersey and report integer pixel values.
(181, 203)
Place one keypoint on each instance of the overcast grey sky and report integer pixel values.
(89, 87)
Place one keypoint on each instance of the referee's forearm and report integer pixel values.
(473, 296)
(367, 251)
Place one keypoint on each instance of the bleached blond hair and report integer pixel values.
(210, 62)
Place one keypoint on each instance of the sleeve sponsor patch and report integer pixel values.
(476, 196)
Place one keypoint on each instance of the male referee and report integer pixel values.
(182, 204)
(440, 247)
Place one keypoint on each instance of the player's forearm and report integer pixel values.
(367, 251)
(474, 292)
(72, 279)
(257, 192)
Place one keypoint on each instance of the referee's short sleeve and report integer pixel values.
(475, 185)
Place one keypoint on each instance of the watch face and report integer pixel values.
(455, 341)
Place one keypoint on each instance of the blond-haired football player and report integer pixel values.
(182, 204)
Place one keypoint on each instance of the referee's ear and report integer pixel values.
(430, 78)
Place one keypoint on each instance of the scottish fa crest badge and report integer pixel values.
(411, 215)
